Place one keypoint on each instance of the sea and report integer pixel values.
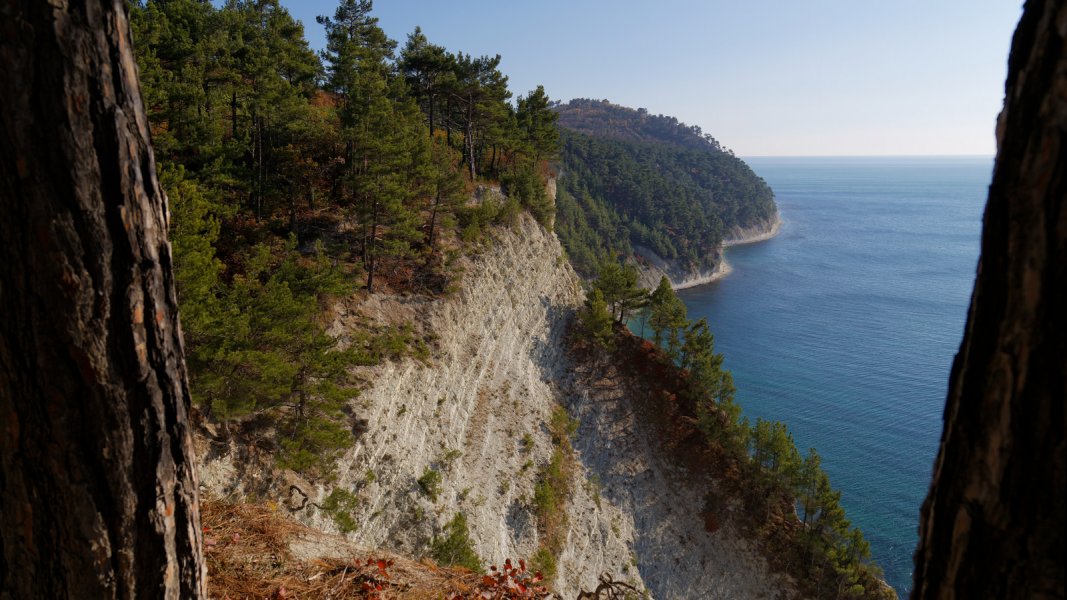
(845, 325)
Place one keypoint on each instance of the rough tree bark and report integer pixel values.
(98, 498)
(993, 522)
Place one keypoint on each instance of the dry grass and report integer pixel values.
(249, 549)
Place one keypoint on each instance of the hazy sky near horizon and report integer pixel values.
(770, 78)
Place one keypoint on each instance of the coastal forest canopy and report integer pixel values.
(634, 180)
(295, 176)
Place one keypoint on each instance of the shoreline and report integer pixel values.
(723, 268)
(759, 237)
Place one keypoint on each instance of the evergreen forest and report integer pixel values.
(633, 180)
(295, 177)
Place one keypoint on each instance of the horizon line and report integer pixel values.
(865, 155)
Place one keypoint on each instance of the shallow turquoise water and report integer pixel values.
(845, 325)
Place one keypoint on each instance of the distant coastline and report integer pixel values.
(749, 237)
(723, 268)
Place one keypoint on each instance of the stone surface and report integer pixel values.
(476, 412)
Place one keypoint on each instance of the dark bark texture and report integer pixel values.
(993, 522)
(98, 498)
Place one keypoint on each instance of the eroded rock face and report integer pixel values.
(476, 413)
(679, 552)
(652, 267)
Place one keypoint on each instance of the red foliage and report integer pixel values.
(508, 583)
(373, 578)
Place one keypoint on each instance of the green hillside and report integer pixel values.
(633, 179)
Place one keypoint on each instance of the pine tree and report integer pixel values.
(357, 53)
(277, 72)
(447, 188)
(429, 71)
(354, 43)
(395, 175)
(480, 94)
(179, 49)
(618, 283)
(537, 124)
(194, 231)
(597, 320)
(806, 485)
(667, 316)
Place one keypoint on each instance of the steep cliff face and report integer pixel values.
(683, 546)
(764, 230)
(651, 267)
(476, 414)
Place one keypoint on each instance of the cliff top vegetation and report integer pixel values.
(295, 178)
(601, 118)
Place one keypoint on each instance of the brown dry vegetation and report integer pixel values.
(254, 551)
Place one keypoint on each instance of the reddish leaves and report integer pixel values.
(373, 578)
(509, 583)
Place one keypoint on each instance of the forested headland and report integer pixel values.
(635, 180)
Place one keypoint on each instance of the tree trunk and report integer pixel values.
(370, 245)
(259, 168)
(233, 114)
(292, 208)
(468, 136)
(98, 498)
(433, 221)
(993, 522)
(448, 122)
(431, 115)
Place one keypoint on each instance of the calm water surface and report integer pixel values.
(845, 325)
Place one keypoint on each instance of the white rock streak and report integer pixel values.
(498, 371)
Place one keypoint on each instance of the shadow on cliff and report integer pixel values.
(640, 442)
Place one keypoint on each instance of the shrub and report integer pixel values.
(455, 547)
(339, 506)
(430, 483)
(544, 561)
(551, 491)
(562, 426)
(525, 186)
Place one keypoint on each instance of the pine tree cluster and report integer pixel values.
(295, 177)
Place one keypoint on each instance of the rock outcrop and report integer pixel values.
(474, 417)
(476, 414)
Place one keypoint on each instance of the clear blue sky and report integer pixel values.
(770, 77)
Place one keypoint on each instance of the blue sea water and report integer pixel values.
(844, 326)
